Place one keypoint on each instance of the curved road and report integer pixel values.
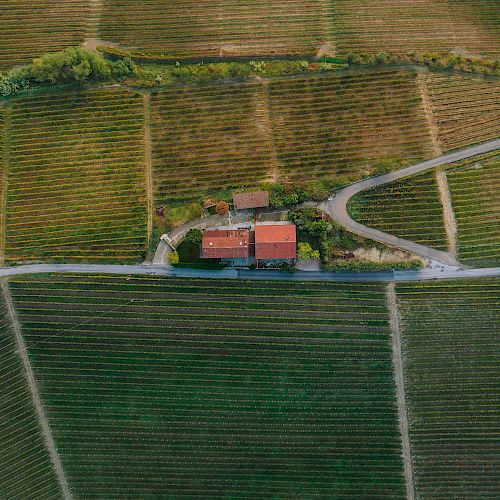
(337, 207)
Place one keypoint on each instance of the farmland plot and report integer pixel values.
(3, 177)
(208, 138)
(475, 195)
(451, 345)
(466, 108)
(402, 26)
(341, 125)
(189, 28)
(26, 471)
(408, 208)
(76, 178)
(216, 388)
(29, 29)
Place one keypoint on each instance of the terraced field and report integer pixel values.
(208, 138)
(466, 108)
(475, 195)
(26, 468)
(409, 208)
(188, 28)
(451, 344)
(76, 178)
(340, 125)
(216, 388)
(392, 26)
(29, 29)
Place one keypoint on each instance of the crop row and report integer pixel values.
(451, 344)
(475, 195)
(408, 208)
(466, 109)
(386, 25)
(32, 28)
(26, 470)
(205, 388)
(76, 178)
(3, 177)
(188, 28)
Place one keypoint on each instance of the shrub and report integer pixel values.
(222, 208)
(306, 252)
(173, 258)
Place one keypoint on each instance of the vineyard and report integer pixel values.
(208, 138)
(451, 344)
(76, 178)
(3, 177)
(215, 388)
(29, 29)
(409, 208)
(323, 127)
(475, 194)
(393, 26)
(466, 108)
(26, 469)
(188, 28)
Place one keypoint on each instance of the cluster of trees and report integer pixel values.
(73, 65)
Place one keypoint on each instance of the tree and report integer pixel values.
(306, 252)
(173, 258)
(222, 207)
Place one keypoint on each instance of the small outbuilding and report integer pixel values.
(255, 199)
(225, 244)
(275, 241)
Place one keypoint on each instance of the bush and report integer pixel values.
(222, 208)
(306, 252)
(15, 81)
(173, 258)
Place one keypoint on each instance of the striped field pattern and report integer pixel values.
(475, 195)
(408, 208)
(29, 29)
(402, 26)
(26, 471)
(189, 28)
(466, 108)
(451, 344)
(76, 178)
(207, 388)
(3, 177)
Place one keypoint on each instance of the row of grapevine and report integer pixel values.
(434, 25)
(207, 388)
(3, 177)
(409, 208)
(189, 28)
(451, 345)
(466, 108)
(76, 178)
(25, 467)
(29, 29)
(475, 195)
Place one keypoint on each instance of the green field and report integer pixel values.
(323, 127)
(188, 28)
(451, 345)
(475, 195)
(29, 29)
(76, 186)
(409, 208)
(207, 388)
(26, 471)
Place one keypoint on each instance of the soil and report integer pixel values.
(450, 223)
(149, 164)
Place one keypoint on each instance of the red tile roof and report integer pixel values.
(255, 199)
(225, 244)
(275, 241)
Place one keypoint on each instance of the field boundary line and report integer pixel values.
(432, 123)
(397, 358)
(4, 180)
(450, 222)
(93, 22)
(35, 395)
(267, 129)
(148, 165)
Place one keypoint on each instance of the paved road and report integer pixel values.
(421, 275)
(337, 208)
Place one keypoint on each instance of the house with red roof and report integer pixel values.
(275, 241)
(254, 199)
(225, 244)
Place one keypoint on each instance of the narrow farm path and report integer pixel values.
(4, 179)
(429, 113)
(337, 205)
(94, 20)
(35, 396)
(450, 223)
(397, 358)
(148, 164)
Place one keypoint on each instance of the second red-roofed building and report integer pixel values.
(275, 241)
